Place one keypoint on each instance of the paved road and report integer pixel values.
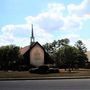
(63, 84)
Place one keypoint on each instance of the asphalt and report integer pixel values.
(60, 84)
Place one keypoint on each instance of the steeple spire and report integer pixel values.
(32, 34)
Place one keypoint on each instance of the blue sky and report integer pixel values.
(14, 11)
(52, 20)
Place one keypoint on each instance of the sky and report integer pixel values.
(51, 19)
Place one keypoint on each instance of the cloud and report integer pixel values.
(79, 10)
(54, 19)
(72, 23)
(72, 37)
(20, 35)
(46, 23)
(87, 43)
(49, 20)
(13, 34)
(77, 14)
(56, 8)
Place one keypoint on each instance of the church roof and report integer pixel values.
(26, 48)
(34, 44)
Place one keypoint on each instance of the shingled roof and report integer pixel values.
(26, 48)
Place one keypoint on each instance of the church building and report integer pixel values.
(34, 54)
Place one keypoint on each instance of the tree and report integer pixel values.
(63, 42)
(13, 56)
(81, 46)
(9, 56)
(82, 57)
(46, 46)
(67, 56)
(51, 48)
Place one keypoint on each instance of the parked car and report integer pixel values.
(44, 70)
(40, 70)
(53, 70)
(33, 70)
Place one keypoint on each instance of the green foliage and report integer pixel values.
(67, 56)
(63, 54)
(9, 56)
(81, 46)
(63, 42)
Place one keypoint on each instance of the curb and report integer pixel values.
(45, 78)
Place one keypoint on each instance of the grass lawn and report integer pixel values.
(26, 74)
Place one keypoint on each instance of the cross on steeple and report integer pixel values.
(32, 35)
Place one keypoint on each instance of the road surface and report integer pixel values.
(61, 84)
